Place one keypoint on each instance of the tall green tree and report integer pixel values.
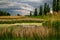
(54, 5)
(57, 6)
(41, 10)
(35, 12)
(48, 8)
(45, 8)
(30, 13)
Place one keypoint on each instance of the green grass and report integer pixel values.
(45, 17)
(8, 25)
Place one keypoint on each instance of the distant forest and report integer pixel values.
(43, 10)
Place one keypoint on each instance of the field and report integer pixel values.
(30, 28)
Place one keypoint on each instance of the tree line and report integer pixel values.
(3, 13)
(43, 10)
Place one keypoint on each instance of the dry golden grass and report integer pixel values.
(11, 17)
(18, 18)
(29, 31)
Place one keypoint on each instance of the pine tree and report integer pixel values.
(30, 13)
(57, 6)
(48, 8)
(35, 12)
(41, 10)
(45, 8)
(54, 5)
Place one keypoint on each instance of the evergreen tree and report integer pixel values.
(57, 6)
(45, 8)
(35, 12)
(48, 8)
(54, 5)
(30, 13)
(41, 10)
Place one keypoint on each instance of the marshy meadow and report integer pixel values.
(29, 19)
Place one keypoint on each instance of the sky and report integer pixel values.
(22, 7)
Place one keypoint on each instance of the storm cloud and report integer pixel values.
(22, 7)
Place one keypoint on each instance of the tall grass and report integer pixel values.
(54, 24)
(27, 33)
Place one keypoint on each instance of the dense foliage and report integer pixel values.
(56, 5)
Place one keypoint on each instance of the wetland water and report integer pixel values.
(21, 24)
